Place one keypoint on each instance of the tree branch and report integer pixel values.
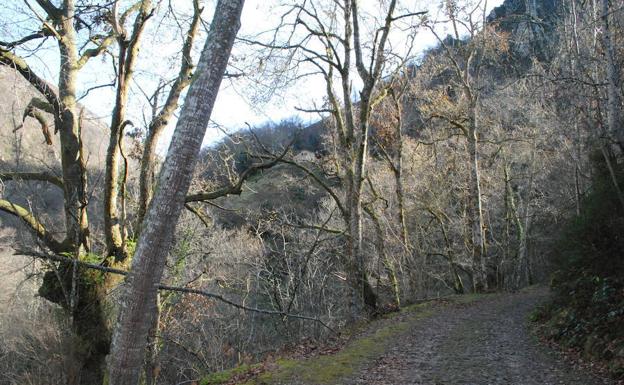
(36, 176)
(49, 8)
(198, 214)
(452, 122)
(184, 290)
(317, 179)
(315, 227)
(25, 39)
(9, 59)
(93, 52)
(235, 188)
(411, 14)
(34, 224)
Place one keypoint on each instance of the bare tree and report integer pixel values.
(465, 52)
(339, 51)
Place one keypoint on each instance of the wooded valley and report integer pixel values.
(457, 149)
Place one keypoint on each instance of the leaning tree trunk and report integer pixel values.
(138, 304)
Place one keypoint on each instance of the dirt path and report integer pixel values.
(485, 343)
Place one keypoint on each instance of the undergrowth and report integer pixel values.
(587, 310)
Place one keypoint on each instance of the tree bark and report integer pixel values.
(138, 304)
(387, 263)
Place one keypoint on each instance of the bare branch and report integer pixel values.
(184, 290)
(49, 8)
(33, 224)
(411, 14)
(25, 39)
(93, 52)
(9, 59)
(315, 227)
(452, 122)
(316, 178)
(198, 214)
(52, 12)
(34, 176)
(236, 188)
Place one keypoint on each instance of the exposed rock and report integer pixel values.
(531, 24)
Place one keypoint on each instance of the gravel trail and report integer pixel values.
(483, 343)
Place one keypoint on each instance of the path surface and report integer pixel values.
(484, 343)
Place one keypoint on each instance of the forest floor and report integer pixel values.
(476, 340)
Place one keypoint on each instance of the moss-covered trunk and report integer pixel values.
(81, 294)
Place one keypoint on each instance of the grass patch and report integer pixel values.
(226, 375)
(329, 369)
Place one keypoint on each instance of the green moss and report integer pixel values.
(226, 375)
(468, 298)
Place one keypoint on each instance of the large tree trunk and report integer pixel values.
(67, 123)
(138, 304)
(152, 365)
(365, 300)
(88, 319)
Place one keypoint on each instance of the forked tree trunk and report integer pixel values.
(138, 301)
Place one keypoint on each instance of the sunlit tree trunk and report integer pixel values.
(162, 117)
(140, 290)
